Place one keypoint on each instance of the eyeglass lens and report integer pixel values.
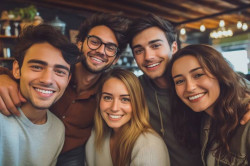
(95, 43)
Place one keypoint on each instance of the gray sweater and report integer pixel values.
(179, 155)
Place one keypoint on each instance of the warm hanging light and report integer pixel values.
(222, 23)
(239, 24)
(244, 26)
(183, 31)
(202, 28)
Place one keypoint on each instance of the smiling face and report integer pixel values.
(197, 88)
(152, 52)
(115, 105)
(44, 76)
(96, 61)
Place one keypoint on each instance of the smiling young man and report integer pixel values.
(42, 65)
(101, 39)
(153, 42)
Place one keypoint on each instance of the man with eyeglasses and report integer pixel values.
(101, 39)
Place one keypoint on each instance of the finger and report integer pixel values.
(22, 99)
(10, 105)
(3, 109)
(245, 118)
(15, 98)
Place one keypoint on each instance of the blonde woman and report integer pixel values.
(122, 134)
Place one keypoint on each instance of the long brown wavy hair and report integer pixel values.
(138, 124)
(229, 107)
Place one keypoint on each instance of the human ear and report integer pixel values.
(174, 47)
(80, 45)
(16, 70)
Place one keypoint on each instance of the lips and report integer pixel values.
(195, 97)
(152, 65)
(116, 117)
(44, 91)
(97, 60)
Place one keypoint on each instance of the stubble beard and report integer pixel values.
(87, 66)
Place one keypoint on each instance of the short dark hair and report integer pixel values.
(45, 33)
(148, 21)
(116, 22)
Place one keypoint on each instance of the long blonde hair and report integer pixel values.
(138, 124)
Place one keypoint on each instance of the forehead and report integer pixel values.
(45, 52)
(114, 85)
(104, 33)
(185, 64)
(149, 34)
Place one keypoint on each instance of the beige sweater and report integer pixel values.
(149, 150)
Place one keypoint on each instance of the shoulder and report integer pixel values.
(150, 149)
(55, 121)
(150, 141)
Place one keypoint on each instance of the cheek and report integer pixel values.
(63, 83)
(138, 59)
(215, 87)
(103, 105)
(179, 91)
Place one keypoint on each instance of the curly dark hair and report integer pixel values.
(45, 33)
(118, 23)
(229, 108)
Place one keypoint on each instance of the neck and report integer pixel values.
(161, 82)
(36, 116)
(84, 79)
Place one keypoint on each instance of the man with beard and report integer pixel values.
(101, 39)
(43, 60)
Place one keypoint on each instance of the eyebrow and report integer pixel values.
(111, 94)
(46, 64)
(179, 75)
(150, 42)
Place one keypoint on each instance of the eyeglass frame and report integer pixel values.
(88, 36)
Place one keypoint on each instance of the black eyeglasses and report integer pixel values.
(95, 42)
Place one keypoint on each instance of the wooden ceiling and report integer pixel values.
(191, 13)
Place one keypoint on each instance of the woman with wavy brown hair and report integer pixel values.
(122, 134)
(207, 92)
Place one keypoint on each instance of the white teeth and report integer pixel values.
(115, 116)
(153, 65)
(97, 59)
(44, 91)
(195, 97)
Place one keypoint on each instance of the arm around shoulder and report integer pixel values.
(150, 149)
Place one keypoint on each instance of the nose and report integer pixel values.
(101, 49)
(190, 85)
(115, 106)
(148, 54)
(46, 77)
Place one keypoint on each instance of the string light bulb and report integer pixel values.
(222, 23)
(183, 31)
(202, 28)
(239, 24)
(244, 26)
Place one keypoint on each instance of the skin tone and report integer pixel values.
(44, 77)
(95, 61)
(152, 52)
(115, 108)
(115, 104)
(195, 86)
